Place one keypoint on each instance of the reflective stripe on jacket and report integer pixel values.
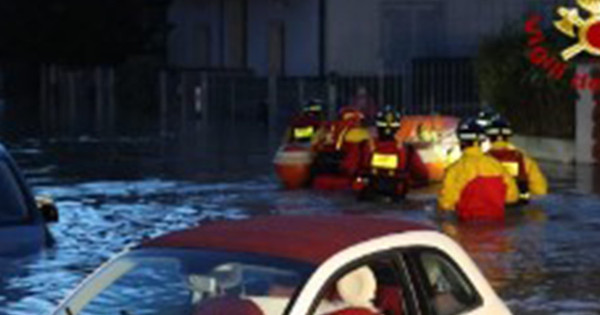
(406, 162)
(303, 128)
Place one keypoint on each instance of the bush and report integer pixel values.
(536, 104)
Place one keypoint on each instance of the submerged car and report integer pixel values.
(23, 218)
(278, 265)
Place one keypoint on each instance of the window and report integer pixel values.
(446, 290)
(190, 282)
(13, 204)
(374, 284)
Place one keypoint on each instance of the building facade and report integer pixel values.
(348, 37)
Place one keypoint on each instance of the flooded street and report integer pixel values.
(544, 260)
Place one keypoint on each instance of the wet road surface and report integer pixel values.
(544, 260)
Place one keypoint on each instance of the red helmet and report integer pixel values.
(349, 113)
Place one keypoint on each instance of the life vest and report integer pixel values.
(482, 199)
(388, 160)
(303, 128)
(339, 156)
(339, 144)
(514, 163)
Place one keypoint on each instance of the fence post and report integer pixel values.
(205, 97)
(301, 87)
(331, 97)
(272, 103)
(44, 99)
(184, 100)
(381, 90)
(99, 101)
(163, 101)
(72, 101)
(112, 101)
(407, 79)
(62, 100)
(232, 91)
(52, 97)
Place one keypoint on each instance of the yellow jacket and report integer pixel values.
(472, 164)
(327, 136)
(536, 181)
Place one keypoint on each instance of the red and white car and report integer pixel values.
(292, 265)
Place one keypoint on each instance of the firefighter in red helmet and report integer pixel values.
(476, 186)
(524, 169)
(306, 124)
(339, 148)
(390, 168)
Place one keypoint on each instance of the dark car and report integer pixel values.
(22, 217)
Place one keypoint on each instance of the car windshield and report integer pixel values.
(190, 282)
(12, 205)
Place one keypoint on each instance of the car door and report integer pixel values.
(21, 229)
(392, 292)
(437, 276)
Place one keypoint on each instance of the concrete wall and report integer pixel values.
(548, 149)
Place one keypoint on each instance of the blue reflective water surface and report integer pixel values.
(544, 260)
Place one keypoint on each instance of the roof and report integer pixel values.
(305, 238)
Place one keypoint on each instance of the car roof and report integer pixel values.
(305, 238)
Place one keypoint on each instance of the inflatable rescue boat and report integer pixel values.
(434, 138)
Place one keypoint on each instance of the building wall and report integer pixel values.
(300, 19)
(301, 26)
(368, 37)
(352, 36)
(190, 19)
(362, 37)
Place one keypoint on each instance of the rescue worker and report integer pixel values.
(484, 118)
(339, 148)
(524, 169)
(304, 126)
(476, 186)
(391, 168)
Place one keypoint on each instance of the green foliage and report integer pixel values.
(535, 103)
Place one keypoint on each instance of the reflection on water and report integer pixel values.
(544, 260)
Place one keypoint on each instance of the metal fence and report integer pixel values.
(120, 100)
(446, 86)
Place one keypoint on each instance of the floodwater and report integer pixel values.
(544, 260)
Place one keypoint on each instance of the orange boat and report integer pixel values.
(434, 137)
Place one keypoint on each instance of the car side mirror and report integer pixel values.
(47, 207)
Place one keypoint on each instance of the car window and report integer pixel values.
(12, 203)
(129, 294)
(384, 294)
(448, 292)
(190, 282)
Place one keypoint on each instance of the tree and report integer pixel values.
(534, 102)
(75, 31)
